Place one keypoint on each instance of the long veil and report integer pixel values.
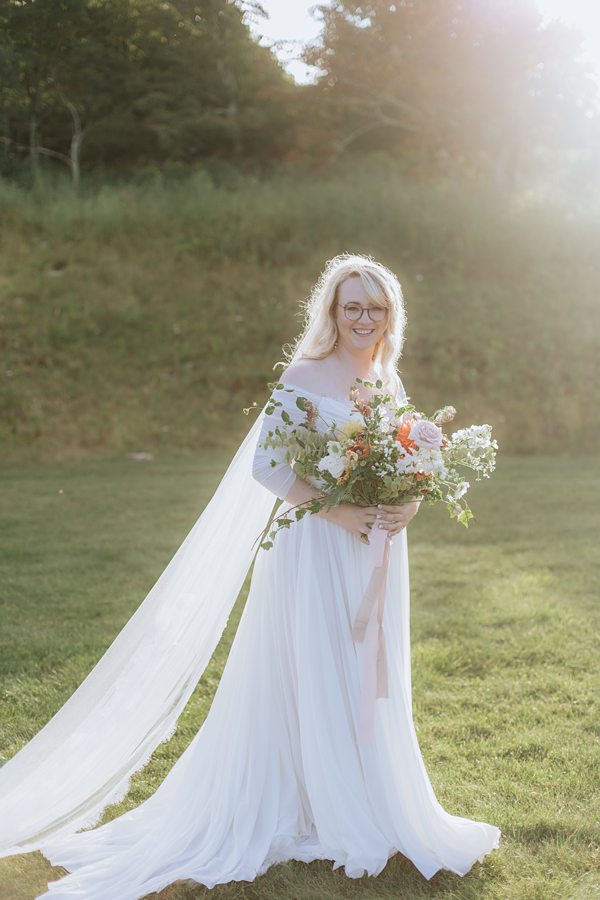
(83, 758)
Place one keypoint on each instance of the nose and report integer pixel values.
(365, 314)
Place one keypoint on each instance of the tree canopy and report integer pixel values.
(476, 88)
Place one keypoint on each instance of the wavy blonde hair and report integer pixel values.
(320, 332)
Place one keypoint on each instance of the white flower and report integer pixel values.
(461, 488)
(403, 465)
(475, 437)
(334, 448)
(335, 465)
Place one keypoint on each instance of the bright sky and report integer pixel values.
(291, 23)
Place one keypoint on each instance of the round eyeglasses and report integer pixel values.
(354, 311)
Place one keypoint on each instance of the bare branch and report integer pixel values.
(45, 150)
(382, 121)
(383, 97)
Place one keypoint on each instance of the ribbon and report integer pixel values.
(368, 629)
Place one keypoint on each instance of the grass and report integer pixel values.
(145, 316)
(504, 647)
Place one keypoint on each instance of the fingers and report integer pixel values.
(393, 531)
(392, 527)
(395, 524)
(399, 516)
(397, 506)
(391, 517)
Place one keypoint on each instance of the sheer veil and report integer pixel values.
(83, 758)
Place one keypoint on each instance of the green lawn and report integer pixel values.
(504, 624)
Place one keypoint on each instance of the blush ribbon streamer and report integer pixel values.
(368, 629)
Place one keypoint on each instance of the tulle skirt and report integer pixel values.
(276, 771)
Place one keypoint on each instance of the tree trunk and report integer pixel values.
(77, 135)
(6, 131)
(75, 159)
(34, 157)
(229, 80)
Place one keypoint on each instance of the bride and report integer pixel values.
(278, 770)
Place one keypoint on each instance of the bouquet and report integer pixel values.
(392, 453)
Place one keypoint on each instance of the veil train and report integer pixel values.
(83, 758)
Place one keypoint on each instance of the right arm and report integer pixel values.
(270, 468)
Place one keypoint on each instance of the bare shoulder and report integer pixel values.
(306, 373)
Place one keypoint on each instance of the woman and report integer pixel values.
(277, 770)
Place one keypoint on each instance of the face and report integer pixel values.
(362, 333)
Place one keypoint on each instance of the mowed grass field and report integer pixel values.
(504, 625)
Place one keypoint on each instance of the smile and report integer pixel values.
(363, 330)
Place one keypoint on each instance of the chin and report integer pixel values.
(364, 342)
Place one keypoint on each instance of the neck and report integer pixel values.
(356, 363)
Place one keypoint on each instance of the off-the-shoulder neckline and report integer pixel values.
(296, 387)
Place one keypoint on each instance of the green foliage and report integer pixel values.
(466, 91)
(126, 83)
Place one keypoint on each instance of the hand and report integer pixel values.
(356, 519)
(396, 517)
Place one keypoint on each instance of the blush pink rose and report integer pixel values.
(426, 434)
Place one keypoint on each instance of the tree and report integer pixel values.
(139, 82)
(465, 88)
(70, 58)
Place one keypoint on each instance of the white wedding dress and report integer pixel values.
(276, 771)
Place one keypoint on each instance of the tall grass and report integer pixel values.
(145, 315)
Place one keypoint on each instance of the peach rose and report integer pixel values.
(426, 434)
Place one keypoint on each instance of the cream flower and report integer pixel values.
(350, 430)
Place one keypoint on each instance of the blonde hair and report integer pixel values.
(320, 333)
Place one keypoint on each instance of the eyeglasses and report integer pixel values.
(354, 311)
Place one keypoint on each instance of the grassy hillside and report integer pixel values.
(503, 657)
(145, 316)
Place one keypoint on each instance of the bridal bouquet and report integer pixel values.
(391, 454)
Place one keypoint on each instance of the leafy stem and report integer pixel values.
(307, 503)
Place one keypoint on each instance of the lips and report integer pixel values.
(365, 332)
